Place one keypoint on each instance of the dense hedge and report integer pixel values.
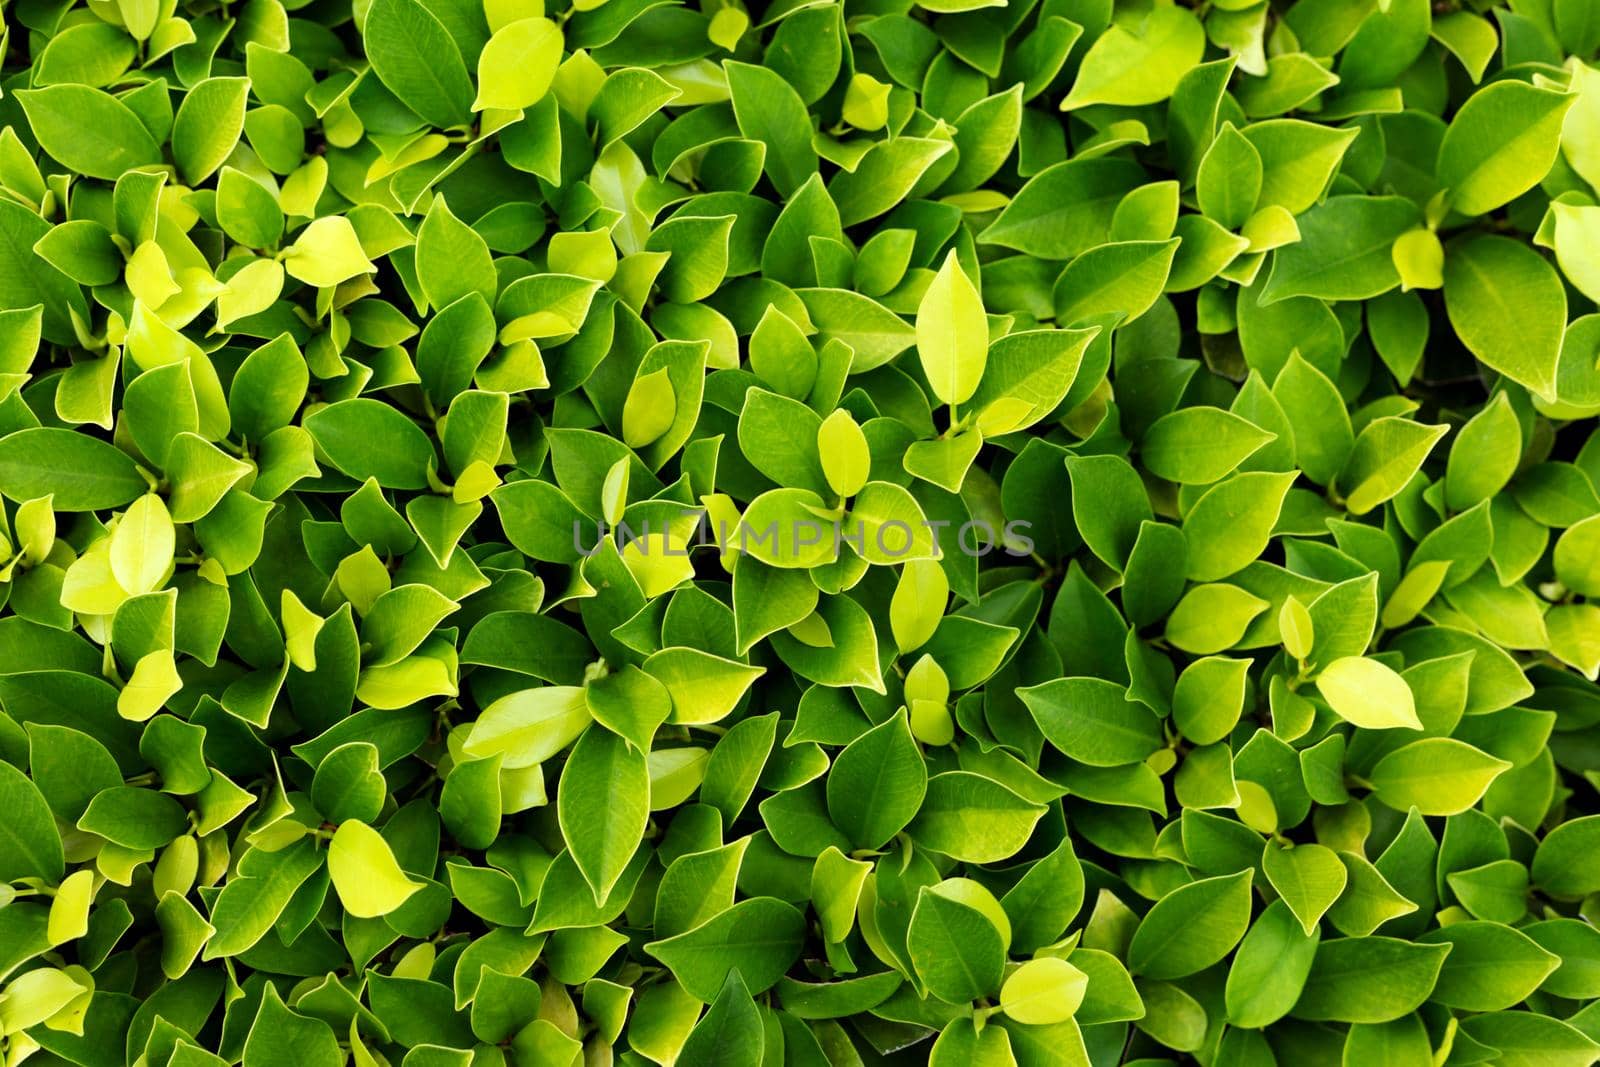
(976, 533)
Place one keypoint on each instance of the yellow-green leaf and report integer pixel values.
(154, 681)
(846, 460)
(300, 628)
(1043, 991)
(142, 545)
(364, 872)
(1369, 694)
(69, 911)
(327, 252)
(649, 410)
(952, 334)
(918, 603)
(518, 64)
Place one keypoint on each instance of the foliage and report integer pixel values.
(1041, 533)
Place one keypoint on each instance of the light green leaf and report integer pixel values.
(1500, 144)
(1043, 991)
(327, 252)
(364, 872)
(518, 64)
(952, 334)
(1437, 776)
(1368, 693)
(1140, 62)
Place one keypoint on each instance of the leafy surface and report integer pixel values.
(996, 533)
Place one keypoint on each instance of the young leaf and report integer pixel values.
(952, 334)
(364, 872)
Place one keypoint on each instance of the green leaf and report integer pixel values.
(134, 818)
(918, 604)
(1385, 457)
(781, 354)
(1043, 991)
(731, 1031)
(1419, 260)
(1027, 376)
(1574, 229)
(1230, 525)
(1191, 927)
(768, 110)
(1122, 279)
(1212, 618)
(453, 261)
(650, 409)
(348, 784)
(69, 911)
(698, 250)
(1270, 969)
(961, 1042)
(1045, 899)
(247, 210)
(364, 872)
(1490, 966)
(782, 528)
(1093, 721)
(1200, 445)
(1500, 144)
(603, 805)
(94, 53)
(1368, 693)
(88, 131)
(279, 1037)
(518, 64)
(1309, 878)
(1229, 180)
(1564, 864)
(78, 472)
(877, 784)
(365, 438)
(1139, 63)
(974, 819)
(529, 726)
(1297, 160)
(767, 599)
(30, 846)
(1108, 503)
(1065, 209)
(327, 252)
(846, 457)
(883, 177)
(207, 126)
(1528, 1038)
(1508, 307)
(704, 688)
(956, 948)
(413, 54)
(1369, 979)
(251, 902)
(760, 937)
(399, 621)
(1437, 775)
(1344, 251)
(142, 545)
(1209, 698)
(952, 334)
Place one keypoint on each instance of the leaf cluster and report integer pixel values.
(997, 533)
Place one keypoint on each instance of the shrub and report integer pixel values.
(637, 532)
